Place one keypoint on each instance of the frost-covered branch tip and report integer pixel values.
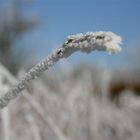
(88, 42)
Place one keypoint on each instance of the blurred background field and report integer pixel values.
(86, 97)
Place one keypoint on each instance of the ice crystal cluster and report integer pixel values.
(88, 42)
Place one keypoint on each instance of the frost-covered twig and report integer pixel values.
(5, 117)
(33, 127)
(88, 42)
(48, 120)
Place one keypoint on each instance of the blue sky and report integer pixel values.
(59, 18)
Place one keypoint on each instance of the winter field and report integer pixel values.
(94, 94)
(71, 104)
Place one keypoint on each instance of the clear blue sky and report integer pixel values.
(59, 18)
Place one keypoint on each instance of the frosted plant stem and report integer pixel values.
(29, 76)
(5, 116)
(45, 117)
(88, 42)
(34, 128)
(6, 123)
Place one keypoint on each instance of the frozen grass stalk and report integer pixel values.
(88, 42)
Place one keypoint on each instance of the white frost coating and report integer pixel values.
(107, 41)
(88, 42)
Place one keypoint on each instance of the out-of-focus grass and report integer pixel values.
(72, 104)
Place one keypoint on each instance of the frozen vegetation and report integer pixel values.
(71, 104)
(67, 105)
